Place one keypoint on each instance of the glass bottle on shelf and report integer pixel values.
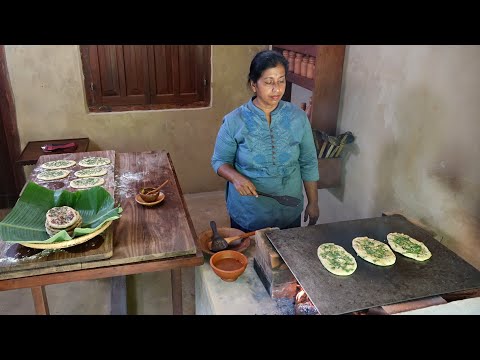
(311, 67)
(291, 60)
(298, 62)
(303, 66)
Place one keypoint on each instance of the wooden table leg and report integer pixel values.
(40, 300)
(118, 300)
(177, 291)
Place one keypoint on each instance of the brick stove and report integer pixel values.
(277, 278)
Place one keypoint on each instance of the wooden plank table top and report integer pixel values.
(32, 151)
(145, 239)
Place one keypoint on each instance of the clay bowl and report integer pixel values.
(205, 237)
(228, 264)
(151, 197)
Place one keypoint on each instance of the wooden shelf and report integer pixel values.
(304, 49)
(326, 89)
(301, 81)
(330, 172)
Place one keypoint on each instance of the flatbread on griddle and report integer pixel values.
(373, 251)
(336, 259)
(408, 246)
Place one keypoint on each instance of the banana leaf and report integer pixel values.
(26, 221)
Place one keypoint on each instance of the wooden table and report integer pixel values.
(145, 239)
(33, 150)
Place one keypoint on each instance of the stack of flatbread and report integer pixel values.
(62, 218)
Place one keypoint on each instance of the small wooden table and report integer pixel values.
(33, 150)
(145, 239)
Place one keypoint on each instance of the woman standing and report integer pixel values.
(267, 145)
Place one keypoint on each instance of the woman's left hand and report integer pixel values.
(312, 212)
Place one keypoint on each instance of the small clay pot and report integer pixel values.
(228, 264)
(150, 197)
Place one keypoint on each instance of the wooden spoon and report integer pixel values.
(243, 236)
(231, 239)
(158, 188)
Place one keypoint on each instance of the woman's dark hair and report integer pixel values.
(263, 60)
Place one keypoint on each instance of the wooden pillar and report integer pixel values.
(40, 300)
(177, 291)
(118, 298)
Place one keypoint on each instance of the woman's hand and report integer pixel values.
(244, 186)
(241, 183)
(312, 212)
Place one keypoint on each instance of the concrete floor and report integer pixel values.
(148, 294)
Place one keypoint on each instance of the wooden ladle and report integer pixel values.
(158, 188)
(237, 237)
(231, 239)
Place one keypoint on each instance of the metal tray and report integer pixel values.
(370, 285)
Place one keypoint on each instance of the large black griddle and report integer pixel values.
(370, 285)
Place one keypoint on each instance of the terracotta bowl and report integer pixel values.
(228, 264)
(205, 238)
(148, 198)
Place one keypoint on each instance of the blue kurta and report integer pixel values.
(275, 158)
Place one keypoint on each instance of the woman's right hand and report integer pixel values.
(241, 183)
(244, 186)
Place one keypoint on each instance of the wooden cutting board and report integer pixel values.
(16, 257)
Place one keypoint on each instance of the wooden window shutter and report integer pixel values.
(118, 75)
(130, 77)
(179, 74)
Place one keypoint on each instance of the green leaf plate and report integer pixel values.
(26, 221)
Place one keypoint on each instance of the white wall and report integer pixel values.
(415, 112)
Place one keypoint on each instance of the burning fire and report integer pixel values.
(303, 305)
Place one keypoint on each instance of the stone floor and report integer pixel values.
(149, 294)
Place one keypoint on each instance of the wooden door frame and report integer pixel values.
(9, 120)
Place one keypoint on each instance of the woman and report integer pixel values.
(267, 145)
